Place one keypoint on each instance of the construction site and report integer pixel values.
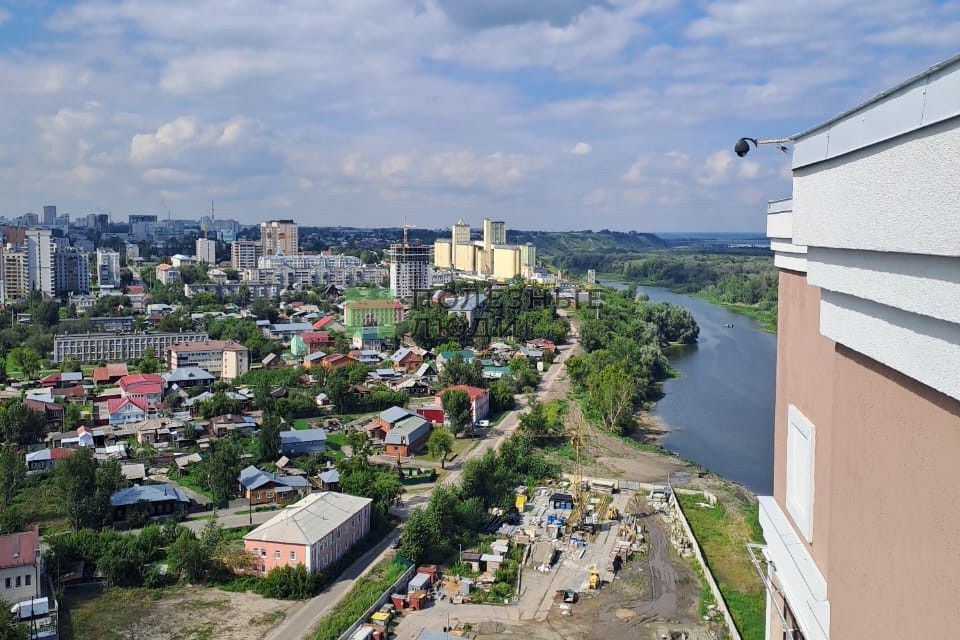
(598, 560)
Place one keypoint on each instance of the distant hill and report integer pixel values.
(553, 243)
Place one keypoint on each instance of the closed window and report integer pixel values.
(276, 555)
(26, 579)
(18, 581)
(263, 553)
(7, 585)
(293, 555)
(801, 441)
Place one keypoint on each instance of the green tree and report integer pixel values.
(501, 395)
(189, 557)
(10, 630)
(13, 473)
(19, 424)
(220, 470)
(149, 363)
(72, 415)
(70, 363)
(27, 360)
(440, 444)
(459, 371)
(75, 479)
(456, 406)
(268, 438)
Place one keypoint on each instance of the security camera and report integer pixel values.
(742, 147)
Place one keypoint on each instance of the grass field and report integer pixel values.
(723, 533)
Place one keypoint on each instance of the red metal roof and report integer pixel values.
(322, 322)
(115, 404)
(473, 392)
(315, 337)
(19, 549)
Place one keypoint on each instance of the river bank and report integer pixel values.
(717, 411)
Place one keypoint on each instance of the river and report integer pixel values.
(720, 407)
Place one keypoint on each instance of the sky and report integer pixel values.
(549, 114)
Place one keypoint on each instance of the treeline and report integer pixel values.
(624, 359)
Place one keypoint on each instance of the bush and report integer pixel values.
(290, 583)
(361, 597)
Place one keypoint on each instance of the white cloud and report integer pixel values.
(637, 171)
(581, 149)
(748, 169)
(4, 15)
(715, 168)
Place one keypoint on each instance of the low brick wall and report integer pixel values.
(401, 582)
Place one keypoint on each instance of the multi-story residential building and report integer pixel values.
(312, 270)
(108, 268)
(40, 261)
(861, 540)
(279, 237)
(315, 532)
(244, 254)
(167, 274)
(131, 251)
(50, 215)
(253, 289)
(16, 274)
(71, 271)
(224, 230)
(112, 347)
(223, 358)
(206, 251)
(410, 269)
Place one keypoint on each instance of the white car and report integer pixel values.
(483, 423)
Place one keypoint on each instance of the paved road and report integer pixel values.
(303, 617)
(230, 520)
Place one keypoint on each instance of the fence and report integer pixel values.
(698, 552)
(401, 581)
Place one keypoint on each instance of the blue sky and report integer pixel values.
(560, 114)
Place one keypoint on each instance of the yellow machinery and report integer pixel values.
(594, 577)
(613, 513)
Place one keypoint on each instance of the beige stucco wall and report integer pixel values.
(804, 360)
(895, 552)
(886, 532)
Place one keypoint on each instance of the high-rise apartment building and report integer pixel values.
(50, 215)
(244, 254)
(206, 251)
(410, 269)
(861, 540)
(108, 268)
(16, 274)
(71, 271)
(279, 237)
(40, 261)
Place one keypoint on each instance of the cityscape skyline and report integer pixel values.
(621, 113)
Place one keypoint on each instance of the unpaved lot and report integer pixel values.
(178, 613)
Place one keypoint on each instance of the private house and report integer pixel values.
(316, 340)
(286, 330)
(63, 380)
(134, 472)
(127, 410)
(542, 344)
(314, 359)
(300, 442)
(143, 386)
(446, 356)
(186, 377)
(52, 412)
(860, 540)
(261, 487)
(479, 400)
(368, 357)
(272, 361)
(110, 374)
(406, 359)
(167, 274)
(45, 459)
(407, 437)
(315, 532)
(387, 420)
(468, 306)
(337, 360)
(157, 500)
(20, 562)
(163, 431)
(329, 480)
(222, 426)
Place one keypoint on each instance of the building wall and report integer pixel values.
(18, 593)
(235, 364)
(506, 262)
(269, 555)
(464, 257)
(442, 254)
